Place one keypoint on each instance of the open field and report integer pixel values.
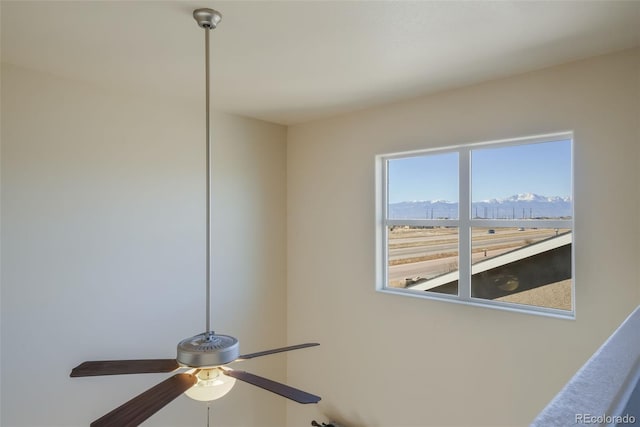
(429, 252)
(539, 275)
(554, 295)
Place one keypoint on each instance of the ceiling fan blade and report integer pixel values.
(118, 367)
(137, 410)
(276, 350)
(273, 386)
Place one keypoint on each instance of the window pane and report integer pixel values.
(423, 258)
(522, 265)
(423, 187)
(531, 181)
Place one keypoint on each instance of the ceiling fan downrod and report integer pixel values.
(208, 349)
(208, 19)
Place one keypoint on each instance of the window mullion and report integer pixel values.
(464, 231)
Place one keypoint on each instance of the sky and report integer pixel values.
(498, 172)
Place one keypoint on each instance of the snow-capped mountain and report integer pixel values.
(529, 197)
(518, 206)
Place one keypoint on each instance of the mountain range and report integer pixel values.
(518, 206)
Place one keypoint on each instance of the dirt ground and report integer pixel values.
(554, 295)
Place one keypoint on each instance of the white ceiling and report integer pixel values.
(295, 61)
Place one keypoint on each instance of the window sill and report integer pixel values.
(476, 302)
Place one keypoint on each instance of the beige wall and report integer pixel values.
(102, 239)
(103, 247)
(396, 361)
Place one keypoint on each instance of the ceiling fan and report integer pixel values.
(204, 357)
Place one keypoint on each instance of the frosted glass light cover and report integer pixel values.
(212, 384)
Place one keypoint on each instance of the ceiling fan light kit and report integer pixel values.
(204, 356)
(212, 384)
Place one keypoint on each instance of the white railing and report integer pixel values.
(598, 393)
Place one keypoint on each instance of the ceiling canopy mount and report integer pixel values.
(207, 18)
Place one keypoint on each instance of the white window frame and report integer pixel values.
(464, 223)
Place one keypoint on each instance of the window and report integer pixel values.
(487, 223)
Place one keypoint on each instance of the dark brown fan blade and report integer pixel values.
(273, 386)
(137, 410)
(276, 350)
(118, 367)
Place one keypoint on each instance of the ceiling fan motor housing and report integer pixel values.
(208, 349)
